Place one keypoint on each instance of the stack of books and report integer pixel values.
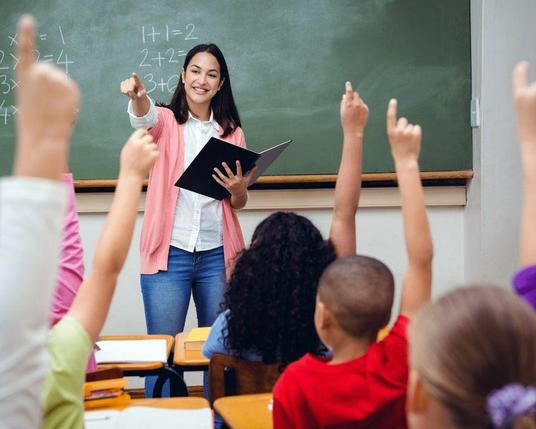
(106, 393)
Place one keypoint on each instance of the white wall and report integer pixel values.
(379, 234)
(503, 33)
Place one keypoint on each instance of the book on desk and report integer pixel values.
(196, 338)
(121, 351)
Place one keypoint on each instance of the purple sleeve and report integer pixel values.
(71, 269)
(525, 284)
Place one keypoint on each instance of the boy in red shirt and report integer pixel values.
(363, 385)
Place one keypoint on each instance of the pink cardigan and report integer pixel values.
(162, 197)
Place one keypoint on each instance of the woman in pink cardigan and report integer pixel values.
(188, 240)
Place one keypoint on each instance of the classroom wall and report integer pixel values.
(376, 227)
(478, 242)
(502, 33)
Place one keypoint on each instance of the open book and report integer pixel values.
(148, 417)
(198, 176)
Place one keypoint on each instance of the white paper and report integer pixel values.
(149, 417)
(165, 418)
(131, 351)
(100, 419)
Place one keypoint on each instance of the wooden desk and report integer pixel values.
(142, 369)
(246, 411)
(140, 366)
(183, 403)
(188, 360)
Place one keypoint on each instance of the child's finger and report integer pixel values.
(402, 124)
(391, 114)
(417, 131)
(25, 46)
(520, 76)
(348, 87)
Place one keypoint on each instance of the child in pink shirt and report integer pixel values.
(71, 269)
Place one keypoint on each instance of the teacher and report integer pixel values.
(188, 240)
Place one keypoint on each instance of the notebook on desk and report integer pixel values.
(132, 351)
(198, 175)
(148, 417)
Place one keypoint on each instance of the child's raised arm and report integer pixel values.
(47, 102)
(354, 116)
(405, 141)
(525, 102)
(31, 214)
(91, 305)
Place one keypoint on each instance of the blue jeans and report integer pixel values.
(166, 294)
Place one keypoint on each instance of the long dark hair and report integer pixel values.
(222, 104)
(272, 291)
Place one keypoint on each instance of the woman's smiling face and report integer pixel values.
(202, 79)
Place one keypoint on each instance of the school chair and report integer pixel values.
(229, 376)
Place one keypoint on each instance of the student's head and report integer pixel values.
(204, 80)
(355, 295)
(271, 293)
(472, 355)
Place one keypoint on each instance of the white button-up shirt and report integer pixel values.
(198, 219)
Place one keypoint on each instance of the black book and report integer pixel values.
(198, 176)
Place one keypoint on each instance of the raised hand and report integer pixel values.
(47, 101)
(139, 154)
(404, 138)
(525, 102)
(133, 87)
(354, 111)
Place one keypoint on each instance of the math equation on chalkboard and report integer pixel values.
(9, 62)
(161, 54)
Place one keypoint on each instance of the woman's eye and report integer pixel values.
(195, 71)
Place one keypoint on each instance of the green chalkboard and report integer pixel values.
(288, 62)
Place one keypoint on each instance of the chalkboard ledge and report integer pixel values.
(430, 178)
